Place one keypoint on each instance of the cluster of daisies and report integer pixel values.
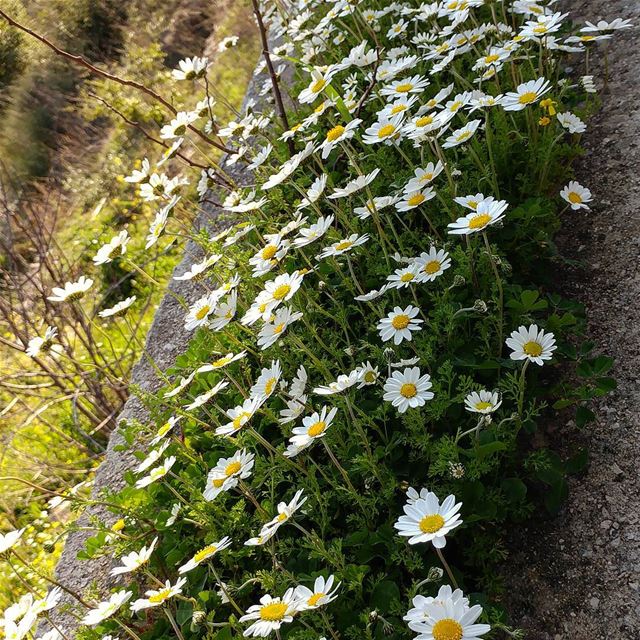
(394, 89)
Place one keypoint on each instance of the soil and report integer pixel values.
(578, 576)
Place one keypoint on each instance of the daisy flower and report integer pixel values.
(106, 609)
(270, 614)
(336, 135)
(407, 389)
(482, 401)
(403, 277)
(294, 409)
(399, 324)
(199, 269)
(314, 426)
(221, 362)
(273, 330)
(155, 598)
(239, 416)
(190, 68)
(205, 553)
(314, 191)
(9, 540)
(203, 398)
(134, 560)
(431, 265)
(338, 248)
(118, 309)
(576, 195)
(283, 288)
(447, 618)
(285, 511)
(179, 125)
(152, 458)
(386, 130)
(525, 94)
(310, 234)
(224, 312)
(414, 84)
(41, 344)
(72, 291)
(138, 175)
(323, 593)
(486, 214)
(319, 81)
(424, 176)
(164, 429)
(267, 381)
(531, 343)
(459, 136)
(200, 310)
(426, 520)
(355, 185)
(368, 375)
(227, 473)
(571, 122)
(157, 473)
(412, 199)
(117, 246)
(343, 382)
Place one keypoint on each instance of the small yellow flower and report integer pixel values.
(544, 121)
(549, 105)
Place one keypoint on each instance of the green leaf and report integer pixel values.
(584, 416)
(384, 594)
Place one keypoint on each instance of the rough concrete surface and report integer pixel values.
(578, 576)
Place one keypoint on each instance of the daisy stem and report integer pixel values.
(447, 568)
(247, 493)
(500, 291)
(339, 467)
(224, 590)
(522, 388)
(127, 629)
(327, 622)
(173, 622)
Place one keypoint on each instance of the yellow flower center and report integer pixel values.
(541, 29)
(426, 177)
(456, 105)
(159, 597)
(399, 108)
(479, 221)
(401, 321)
(405, 87)
(238, 421)
(217, 482)
(282, 292)
(313, 600)
(447, 629)
(386, 131)
(278, 328)
(407, 277)
(431, 523)
(317, 428)
(118, 525)
(415, 200)
(203, 554)
(345, 244)
(408, 390)
(222, 361)
(481, 406)
(335, 133)
(274, 611)
(432, 267)
(464, 135)
(268, 252)
(370, 377)
(532, 348)
(491, 58)
(282, 517)
(202, 312)
(268, 387)
(528, 97)
(163, 429)
(575, 198)
(318, 85)
(232, 467)
(424, 121)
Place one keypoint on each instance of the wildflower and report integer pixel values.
(354, 185)
(342, 246)
(482, 402)
(72, 291)
(426, 520)
(486, 214)
(412, 199)
(41, 344)
(200, 311)
(139, 175)
(199, 269)
(179, 125)
(270, 614)
(525, 94)
(227, 43)
(164, 429)
(368, 374)
(576, 195)
(286, 510)
(156, 473)
(571, 122)
(272, 331)
(239, 416)
(204, 554)
(282, 288)
(152, 458)
(432, 264)
(314, 192)
(420, 610)
(408, 389)
(118, 309)
(295, 408)
(531, 343)
(267, 381)
(424, 176)
(342, 383)
(461, 135)
(310, 234)
(322, 594)
(399, 324)
(116, 246)
(190, 68)
(314, 426)
(228, 472)
(449, 617)
(319, 82)
(9, 540)
(336, 135)
(224, 312)
(134, 560)
(203, 398)
(106, 609)
(155, 598)
(386, 130)
(414, 84)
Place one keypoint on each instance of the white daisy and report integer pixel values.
(157, 597)
(459, 136)
(9, 540)
(270, 614)
(273, 330)
(106, 609)
(117, 246)
(239, 416)
(426, 520)
(399, 324)
(355, 185)
(41, 344)
(486, 214)
(408, 389)
(482, 401)
(205, 553)
(412, 199)
(323, 593)
(576, 195)
(71, 291)
(134, 560)
(386, 130)
(118, 309)
(525, 94)
(432, 264)
(336, 135)
(156, 473)
(531, 343)
(342, 246)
